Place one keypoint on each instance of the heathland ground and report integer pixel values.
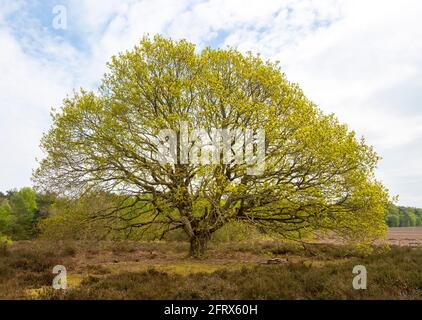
(260, 269)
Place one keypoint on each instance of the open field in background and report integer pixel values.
(398, 236)
(410, 236)
(234, 270)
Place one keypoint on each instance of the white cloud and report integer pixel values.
(359, 59)
(28, 89)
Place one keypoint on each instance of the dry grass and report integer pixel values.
(133, 270)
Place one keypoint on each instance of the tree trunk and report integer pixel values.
(198, 245)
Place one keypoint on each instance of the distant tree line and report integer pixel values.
(20, 212)
(26, 214)
(398, 216)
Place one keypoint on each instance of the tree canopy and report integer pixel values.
(315, 174)
(403, 216)
(17, 214)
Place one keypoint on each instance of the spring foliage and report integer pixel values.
(318, 175)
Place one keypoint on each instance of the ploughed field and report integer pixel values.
(234, 270)
(400, 236)
(409, 236)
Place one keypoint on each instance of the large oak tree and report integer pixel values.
(318, 175)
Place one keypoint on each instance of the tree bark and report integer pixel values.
(198, 245)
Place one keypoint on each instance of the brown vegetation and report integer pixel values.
(240, 270)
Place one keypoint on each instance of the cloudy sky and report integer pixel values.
(359, 59)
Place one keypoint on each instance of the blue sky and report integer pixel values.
(360, 59)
